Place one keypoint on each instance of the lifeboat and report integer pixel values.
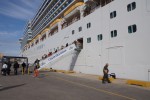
(54, 23)
(74, 9)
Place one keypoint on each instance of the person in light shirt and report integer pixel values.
(4, 69)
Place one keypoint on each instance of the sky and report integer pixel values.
(14, 15)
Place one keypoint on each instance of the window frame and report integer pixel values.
(88, 25)
(113, 33)
(100, 37)
(89, 40)
(131, 6)
(132, 28)
(80, 29)
(113, 14)
(73, 32)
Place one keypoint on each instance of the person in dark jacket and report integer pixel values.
(105, 72)
(9, 67)
(23, 67)
(36, 64)
(16, 66)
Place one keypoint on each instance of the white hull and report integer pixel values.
(127, 54)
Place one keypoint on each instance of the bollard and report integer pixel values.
(28, 71)
(22, 71)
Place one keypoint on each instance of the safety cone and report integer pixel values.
(36, 73)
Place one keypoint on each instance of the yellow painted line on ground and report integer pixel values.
(100, 90)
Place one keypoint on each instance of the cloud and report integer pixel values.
(2, 33)
(11, 29)
(9, 39)
(12, 53)
(6, 44)
(29, 3)
(11, 49)
(22, 9)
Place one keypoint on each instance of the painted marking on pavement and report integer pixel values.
(100, 90)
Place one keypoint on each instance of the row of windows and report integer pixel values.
(131, 29)
(47, 16)
(80, 28)
(47, 10)
(113, 14)
(73, 31)
(99, 38)
(113, 33)
(130, 7)
(51, 15)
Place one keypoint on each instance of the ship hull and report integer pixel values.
(127, 54)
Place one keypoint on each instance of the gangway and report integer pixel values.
(72, 50)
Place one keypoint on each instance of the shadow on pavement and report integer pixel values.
(9, 87)
(42, 75)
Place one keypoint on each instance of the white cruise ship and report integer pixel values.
(84, 35)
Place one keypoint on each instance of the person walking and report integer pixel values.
(105, 72)
(23, 68)
(16, 66)
(4, 69)
(36, 66)
(9, 67)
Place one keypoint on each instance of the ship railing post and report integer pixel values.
(82, 11)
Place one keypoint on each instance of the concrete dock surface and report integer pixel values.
(61, 86)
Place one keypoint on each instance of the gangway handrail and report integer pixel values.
(57, 55)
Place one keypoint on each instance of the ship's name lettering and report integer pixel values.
(57, 55)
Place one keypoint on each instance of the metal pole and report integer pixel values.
(148, 74)
(27, 66)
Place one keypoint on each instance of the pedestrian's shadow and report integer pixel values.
(9, 87)
(42, 75)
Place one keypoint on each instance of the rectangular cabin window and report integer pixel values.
(132, 28)
(113, 14)
(128, 7)
(133, 5)
(89, 40)
(99, 37)
(80, 29)
(73, 32)
(88, 25)
(113, 33)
